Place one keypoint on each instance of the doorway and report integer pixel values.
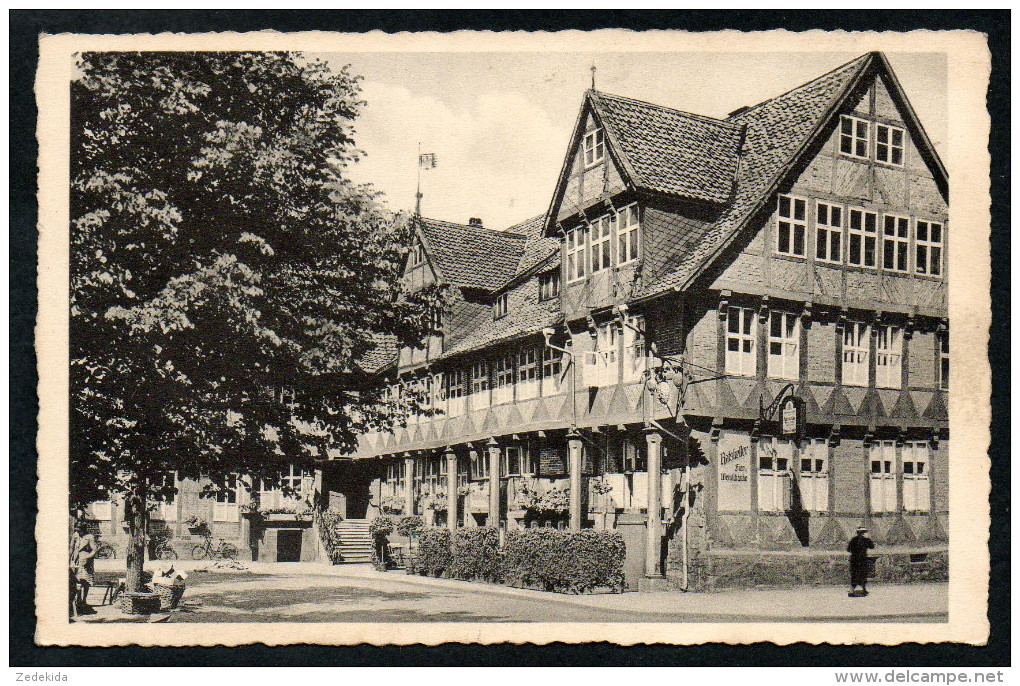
(288, 545)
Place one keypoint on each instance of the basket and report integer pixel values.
(169, 596)
(139, 603)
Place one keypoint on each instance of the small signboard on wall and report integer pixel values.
(791, 418)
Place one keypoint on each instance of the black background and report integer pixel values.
(24, 28)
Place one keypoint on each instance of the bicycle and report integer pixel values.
(105, 550)
(223, 549)
(163, 550)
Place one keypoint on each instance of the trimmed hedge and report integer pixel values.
(552, 560)
(434, 554)
(564, 561)
(475, 554)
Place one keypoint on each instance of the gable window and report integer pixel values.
(883, 476)
(479, 384)
(594, 147)
(503, 390)
(828, 232)
(552, 369)
(889, 144)
(527, 372)
(916, 490)
(575, 254)
(853, 136)
(944, 361)
(500, 306)
(741, 332)
(417, 255)
(855, 354)
(863, 234)
(784, 345)
(792, 226)
(928, 244)
(602, 230)
(889, 357)
(548, 285)
(629, 232)
(896, 243)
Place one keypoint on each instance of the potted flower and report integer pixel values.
(380, 528)
(393, 505)
(197, 525)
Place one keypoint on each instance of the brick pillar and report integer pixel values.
(451, 489)
(653, 544)
(575, 454)
(493, 482)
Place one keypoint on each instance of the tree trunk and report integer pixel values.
(136, 544)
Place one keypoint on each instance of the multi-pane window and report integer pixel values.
(453, 388)
(792, 226)
(889, 357)
(944, 361)
(167, 508)
(517, 460)
(829, 232)
(548, 285)
(853, 136)
(814, 475)
(500, 306)
(527, 373)
(396, 476)
(862, 236)
(855, 354)
(479, 384)
(916, 489)
(629, 232)
(575, 240)
(784, 345)
(889, 144)
(741, 332)
(633, 348)
(479, 465)
(417, 255)
(928, 248)
(225, 507)
(601, 365)
(883, 476)
(602, 230)
(552, 369)
(775, 459)
(503, 389)
(895, 243)
(594, 147)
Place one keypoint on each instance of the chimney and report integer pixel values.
(739, 110)
(475, 221)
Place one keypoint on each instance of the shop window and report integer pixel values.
(889, 144)
(916, 488)
(855, 354)
(895, 243)
(792, 226)
(775, 460)
(854, 136)
(594, 146)
(828, 232)
(889, 357)
(883, 476)
(741, 341)
(552, 370)
(928, 248)
(862, 236)
(784, 345)
(575, 240)
(628, 248)
(527, 373)
(479, 384)
(814, 475)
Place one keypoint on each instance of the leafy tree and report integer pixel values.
(218, 254)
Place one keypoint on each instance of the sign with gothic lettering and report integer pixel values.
(734, 472)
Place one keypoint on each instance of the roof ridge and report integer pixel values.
(472, 227)
(685, 113)
(741, 113)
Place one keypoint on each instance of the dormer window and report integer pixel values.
(500, 307)
(594, 147)
(548, 285)
(417, 255)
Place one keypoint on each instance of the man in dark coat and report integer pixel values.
(858, 548)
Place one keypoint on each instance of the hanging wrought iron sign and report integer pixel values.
(791, 410)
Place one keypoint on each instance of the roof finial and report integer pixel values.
(593, 77)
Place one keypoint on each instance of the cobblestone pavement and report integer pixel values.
(318, 593)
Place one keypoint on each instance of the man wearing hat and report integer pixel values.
(858, 548)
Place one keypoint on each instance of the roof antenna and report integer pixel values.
(593, 77)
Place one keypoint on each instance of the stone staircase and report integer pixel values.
(355, 541)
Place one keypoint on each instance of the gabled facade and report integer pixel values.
(618, 352)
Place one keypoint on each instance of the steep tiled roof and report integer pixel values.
(777, 130)
(670, 151)
(472, 256)
(538, 248)
(381, 356)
